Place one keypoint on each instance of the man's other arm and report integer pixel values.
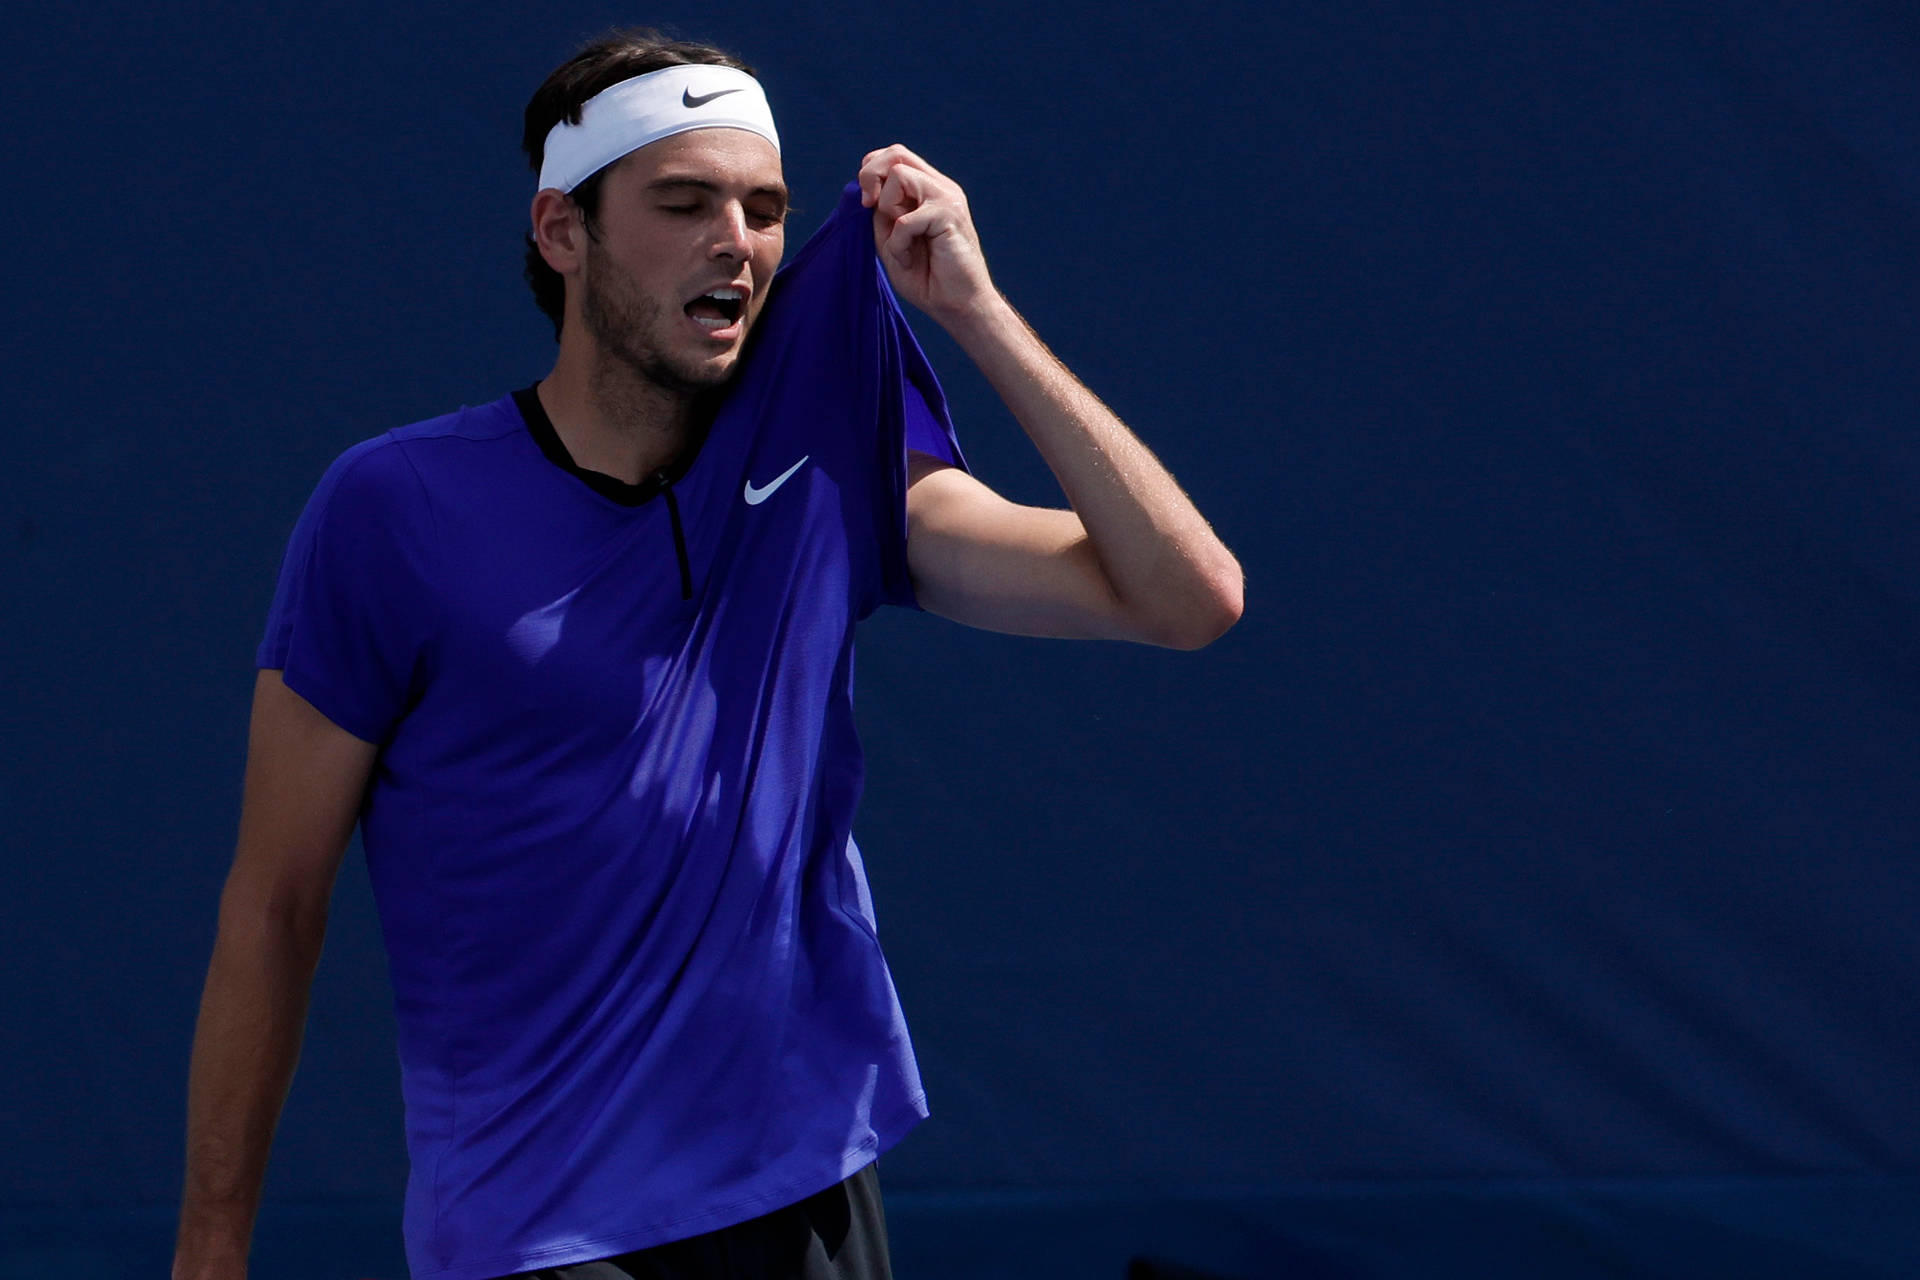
(1133, 559)
(304, 781)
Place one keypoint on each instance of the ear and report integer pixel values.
(558, 231)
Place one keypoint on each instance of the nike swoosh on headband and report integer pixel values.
(624, 117)
(755, 496)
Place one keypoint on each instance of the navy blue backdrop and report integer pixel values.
(1538, 852)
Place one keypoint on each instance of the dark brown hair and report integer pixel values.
(618, 55)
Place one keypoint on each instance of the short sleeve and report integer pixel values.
(352, 615)
(929, 426)
(916, 408)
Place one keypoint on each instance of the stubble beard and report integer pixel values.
(621, 320)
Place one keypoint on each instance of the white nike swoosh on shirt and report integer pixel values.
(757, 496)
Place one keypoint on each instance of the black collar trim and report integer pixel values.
(540, 427)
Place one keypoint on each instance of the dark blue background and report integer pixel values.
(1547, 826)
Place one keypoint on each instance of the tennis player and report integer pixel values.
(579, 663)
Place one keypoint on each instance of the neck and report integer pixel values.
(611, 418)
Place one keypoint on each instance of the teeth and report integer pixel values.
(729, 300)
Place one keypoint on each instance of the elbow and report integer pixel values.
(1210, 624)
(1208, 616)
(259, 912)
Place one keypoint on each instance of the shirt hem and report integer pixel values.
(792, 1191)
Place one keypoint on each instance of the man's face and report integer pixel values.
(689, 233)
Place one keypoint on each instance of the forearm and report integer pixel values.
(244, 1049)
(1162, 560)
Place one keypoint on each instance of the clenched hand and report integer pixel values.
(925, 235)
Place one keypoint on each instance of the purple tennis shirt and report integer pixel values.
(634, 959)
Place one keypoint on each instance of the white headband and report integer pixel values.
(627, 116)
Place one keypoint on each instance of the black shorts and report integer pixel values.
(840, 1234)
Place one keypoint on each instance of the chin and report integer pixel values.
(709, 376)
(687, 377)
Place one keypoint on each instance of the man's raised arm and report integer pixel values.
(1133, 559)
(305, 779)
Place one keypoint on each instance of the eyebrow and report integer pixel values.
(778, 190)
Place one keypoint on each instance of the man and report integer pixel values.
(579, 661)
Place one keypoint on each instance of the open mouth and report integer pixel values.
(718, 308)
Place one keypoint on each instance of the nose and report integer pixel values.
(730, 235)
